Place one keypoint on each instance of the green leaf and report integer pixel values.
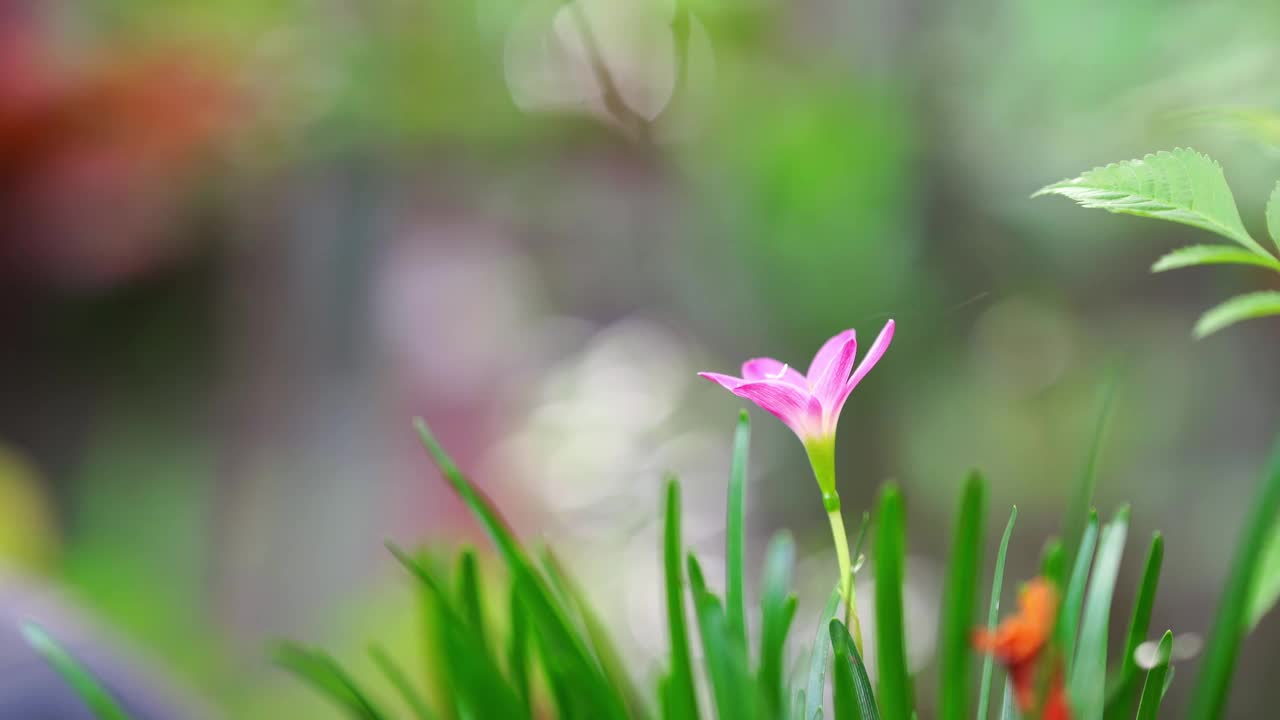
(1181, 186)
(777, 609)
(852, 695)
(993, 614)
(1080, 506)
(100, 701)
(1073, 598)
(324, 674)
(1238, 309)
(1008, 711)
(1053, 563)
(734, 594)
(571, 663)
(815, 688)
(1088, 678)
(725, 663)
(518, 652)
(1121, 702)
(1212, 255)
(1153, 689)
(960, 602)
(1209, 696)
(1273, 215)
(469, 595)
(894, 698)
(1266, 588)
(683, 700)
(391, 670)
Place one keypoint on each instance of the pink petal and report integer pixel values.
(800, 411)
(770, 369)
(829, 350)
(728, 382)
(828, 384)
(869, 361)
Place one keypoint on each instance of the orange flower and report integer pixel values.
(1021, 641)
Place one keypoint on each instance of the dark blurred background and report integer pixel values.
(242, 243)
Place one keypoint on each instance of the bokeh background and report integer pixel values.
(242, 243)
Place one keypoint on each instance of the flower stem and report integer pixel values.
(831, 500)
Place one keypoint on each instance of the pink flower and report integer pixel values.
(809, 404)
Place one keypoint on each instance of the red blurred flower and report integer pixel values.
(1023, 642)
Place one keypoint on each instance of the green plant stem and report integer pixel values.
(841, 540)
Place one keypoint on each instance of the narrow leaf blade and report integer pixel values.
(1238, 309)
(815, 688)
(960, 601)
(1089, 672)
(993, 613)
(735, 532)
(1153, 689)
(1121, 703)
(82, 681)
(894, 698)
(852, 696)
(1212, 255)
(683, 700)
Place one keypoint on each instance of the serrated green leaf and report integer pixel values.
(993, 613)
(324, 674)
(1181, 186)
(1154, 688)
(100, 701)
(777, 609)
(1212, 255)
(1120, 704)
(852, 695)
(735, 532)
(894, 697)
(1273, 215)
(396, 676)
(1209, 696)
(960, 602)
(683, 699)
(1238, 309)
(815, 688)
(1073, 598)
(1088, 677)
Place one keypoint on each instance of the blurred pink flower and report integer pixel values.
(809, 404)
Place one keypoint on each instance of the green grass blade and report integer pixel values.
(861, 537)
(683, 699)
(1266, 588)
(1121, 702)
(730, 684)
(894, 698)
(1153, 690)
(777, 610)
(993, 613)
(1081, 502)
(1073, 598)
(395, 675)
(852, 695)
(819, 656)
(1209, 696)
(518, 652)
(469, 593)
(1088, 677)
(100, 701)
(1053, 563)
(735, 533)
(324, 674)
(1008, 711)
(960, 602)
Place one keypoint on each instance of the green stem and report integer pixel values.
(832, 502)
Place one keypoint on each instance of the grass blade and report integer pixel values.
(724, 662)
(83, 682)
(1073, 598)
(735, 533)
(1053, 563)
(1088, 677)
(1008, 711)
(1121, 702)
(682, 698)
(1209, 696)
(400, 681)
(852, 694)
(1153, 690)
(894, 698)
(960, 601)
(993, 614)
(815, 688)
(518, 652)
(469, 595)
(1266, 587)
(324, 674)
(1081, 503)
(777, 610)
